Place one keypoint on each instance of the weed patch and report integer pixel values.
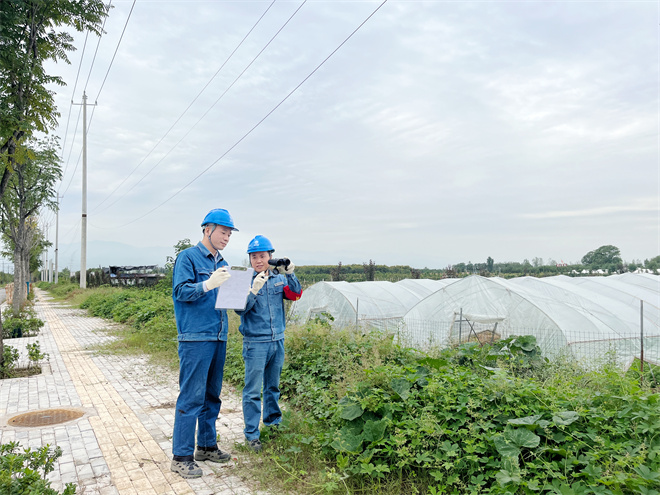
(25, 470)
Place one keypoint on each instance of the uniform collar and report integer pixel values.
(206, 253)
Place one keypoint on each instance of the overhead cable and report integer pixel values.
(181, 116)
(116, 49)
(263, 119)
(68, 119)
(98, 43)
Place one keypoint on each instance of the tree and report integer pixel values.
(490, 264)
(652, 264)
(369, 270)
(31, 187)
(336, 274)
(450, 272)
(178, 247)
(603, 257)
(29, 39)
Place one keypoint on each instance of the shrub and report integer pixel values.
(9, 359)
(26, 324)
(468, 433)
(24, 473)
(34, 354)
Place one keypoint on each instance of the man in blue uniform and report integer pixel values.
(202, 336)
(262, 326)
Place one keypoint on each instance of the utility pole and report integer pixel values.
(57, 229)
(83, 226)
(46, 278)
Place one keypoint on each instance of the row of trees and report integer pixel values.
(604, 258)
(32, 32)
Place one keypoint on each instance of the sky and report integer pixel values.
(421, 133)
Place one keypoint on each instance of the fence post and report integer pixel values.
(460, 326)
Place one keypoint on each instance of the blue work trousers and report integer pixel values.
(263, 366)
(201, 365)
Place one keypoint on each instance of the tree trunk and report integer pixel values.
(19, 281)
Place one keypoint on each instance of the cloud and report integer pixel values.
(440, 132)
(649, 205)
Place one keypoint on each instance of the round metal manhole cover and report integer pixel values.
(45, 417)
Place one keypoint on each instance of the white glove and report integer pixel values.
(217, 278)
(259, 282)
(289, 269)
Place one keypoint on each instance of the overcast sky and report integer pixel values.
(440, 132)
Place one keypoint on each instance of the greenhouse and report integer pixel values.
(374, 304)
(590, 318)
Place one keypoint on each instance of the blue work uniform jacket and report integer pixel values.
(263, 319)
(196, 316)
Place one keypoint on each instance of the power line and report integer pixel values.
(181, 116)
(263, 119)
(68, 119)
(82, 56)
(99, 43)
(71, 151)
(99, 93)
(115, 54)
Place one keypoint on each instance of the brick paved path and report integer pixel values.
(122, 444)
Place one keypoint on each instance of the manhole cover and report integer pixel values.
(46, 417)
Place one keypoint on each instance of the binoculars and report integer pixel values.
(277, 262)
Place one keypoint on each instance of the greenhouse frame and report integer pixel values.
(590, 318)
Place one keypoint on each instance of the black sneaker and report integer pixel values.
(187, 469)
(255, 445)
(212, 455)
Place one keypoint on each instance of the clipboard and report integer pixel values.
(234, 292)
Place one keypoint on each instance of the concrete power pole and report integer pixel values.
(83, 226)
(46, 277)
(57, 229)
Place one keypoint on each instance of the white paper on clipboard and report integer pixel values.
(233, 293)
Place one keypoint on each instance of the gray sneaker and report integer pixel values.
(212, 455)
(187, 469)
(255, 445)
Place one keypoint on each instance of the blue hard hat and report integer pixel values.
(258, 244)
(219, 216)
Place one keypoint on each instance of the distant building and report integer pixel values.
(134, 275)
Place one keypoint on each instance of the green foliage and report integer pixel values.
(147, 312)
(34, 353)
(26, 324)
(321, 363)
(24, 472)
(9, 360)
(494, 434)
(178, 247)
(521, 355)
(132, 306)
(604, 257)
(61, 290)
